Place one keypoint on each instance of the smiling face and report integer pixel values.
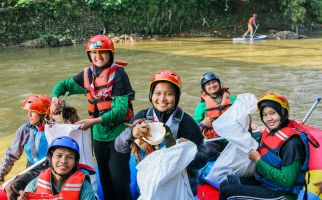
(100, 58)
(163, 96)
(271, 118)
(63, 161)
(212, 87)
(33, 117)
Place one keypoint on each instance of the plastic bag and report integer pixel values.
(233, 126)
(162, 174)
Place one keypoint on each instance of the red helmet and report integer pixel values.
(38, 103)
(100, 43)
(167, 76)
(276, 97)
(254, 15)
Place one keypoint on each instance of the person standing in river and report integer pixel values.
(109, 95)
(250, 29)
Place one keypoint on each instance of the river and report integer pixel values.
(292, 67)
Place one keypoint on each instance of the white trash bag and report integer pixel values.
(162, 174)
(233, 126)
(83, 139)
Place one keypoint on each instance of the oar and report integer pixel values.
(255, 30)
(40, 162)
(311, 110)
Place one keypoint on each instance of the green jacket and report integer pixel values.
(103, 131)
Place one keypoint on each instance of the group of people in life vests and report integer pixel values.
(281, 160)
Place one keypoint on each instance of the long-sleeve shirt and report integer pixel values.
(27, 138)
(121, 93)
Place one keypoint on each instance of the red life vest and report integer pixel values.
(214, 110)
(70, 190)
(99, 92)
(271, 142)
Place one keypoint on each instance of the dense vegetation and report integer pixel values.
(22, 20)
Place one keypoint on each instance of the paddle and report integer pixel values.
(318, 99)
(255, 30)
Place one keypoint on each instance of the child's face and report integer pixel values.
(33, 117)
(100, 58)
(63, 160)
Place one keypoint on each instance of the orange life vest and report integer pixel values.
(251, 21)
(70, 190)
(98, 100)
(214, 110)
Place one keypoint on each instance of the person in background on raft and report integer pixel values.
(30, 137)
(65, 178)
(215, 100)
(250, 29)
(109, 95)
(165, 91)
(282, 157)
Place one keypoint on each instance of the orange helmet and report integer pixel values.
(38, 103)
(276, 97)
(100, 43)
(167, 76)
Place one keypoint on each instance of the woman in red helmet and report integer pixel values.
(109, 94)
(30, 137)
(165, 90)
(281, 159)
(250, 29)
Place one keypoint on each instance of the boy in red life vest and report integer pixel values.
(282, 157)
(65, 179)
(109, 94)
(250, 29)
(30, 137)
(215, 100)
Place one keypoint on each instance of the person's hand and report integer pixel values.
(207, 121)
(254, 156)
(319, 185)
(54, 105)
(21, 195)
(140, 130)
(86, 123)
(182, 140)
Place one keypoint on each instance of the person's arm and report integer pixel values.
(124, 140)
(87, 192)
(188, 129)
(67, 85)
(292, 154)
(232, 99)
(14, 151)
(31, 187)
(199, 115)
(254, 21)
(285, 176)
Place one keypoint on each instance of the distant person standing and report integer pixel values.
(250, 29)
